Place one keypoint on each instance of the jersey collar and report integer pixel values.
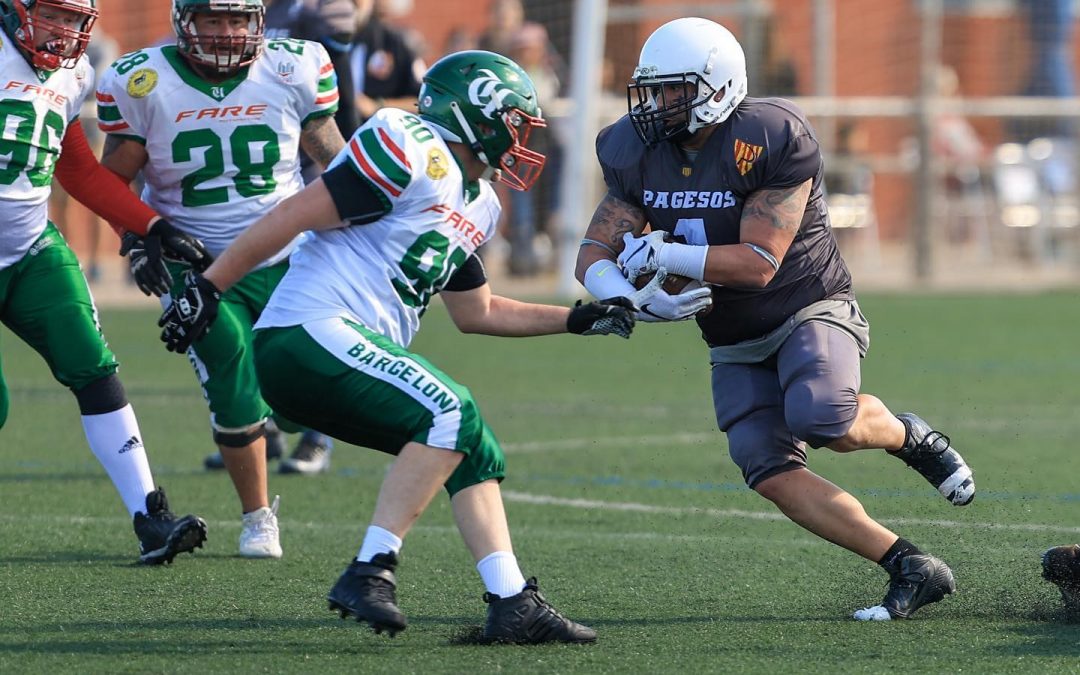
(215, 90)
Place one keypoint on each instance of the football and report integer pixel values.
(673, 285)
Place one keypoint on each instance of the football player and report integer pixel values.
(739, 180)
(215, 123)
(44, 298)
(397, 219)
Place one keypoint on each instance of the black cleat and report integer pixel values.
(163, 536)
(918, 580)
(931, 454)
(1061, 567)
(527, 618)
(366, 591)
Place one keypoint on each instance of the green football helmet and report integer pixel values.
(27, 20)
(487, 102)
(219, 55)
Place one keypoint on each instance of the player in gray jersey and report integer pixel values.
(731, 189)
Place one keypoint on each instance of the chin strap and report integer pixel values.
(473, 142)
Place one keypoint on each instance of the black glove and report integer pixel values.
(189, 317)
(147, 256)
(602, 317)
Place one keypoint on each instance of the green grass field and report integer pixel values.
(621, 497)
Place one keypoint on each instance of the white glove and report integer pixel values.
(654, 304)
(640, 255)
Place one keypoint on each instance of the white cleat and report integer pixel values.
(259, 537)
(875, 613)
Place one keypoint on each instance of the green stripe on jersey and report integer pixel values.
(386, 164)
(327, 84)
(109, 113)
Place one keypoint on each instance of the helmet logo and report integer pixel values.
(488, 92)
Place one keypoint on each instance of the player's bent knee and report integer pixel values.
(240, 438)
(484, 461)
(819, 426)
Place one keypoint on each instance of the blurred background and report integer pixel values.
(949, 127)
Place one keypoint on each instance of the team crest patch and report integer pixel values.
(436, 164)
(746, 155)
(142, 82)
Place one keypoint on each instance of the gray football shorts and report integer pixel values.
(805, 393)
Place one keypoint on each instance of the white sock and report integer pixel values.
(501, 574)
(376, 541)
(116, 442)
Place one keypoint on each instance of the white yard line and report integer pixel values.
(577, 503)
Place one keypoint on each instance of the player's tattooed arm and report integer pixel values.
(321, 140)
(771, 218)
(604, 237)
(124, 156)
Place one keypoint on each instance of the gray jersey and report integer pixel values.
(765, 144)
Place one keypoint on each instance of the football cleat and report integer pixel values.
(259, 536)
(1061, 567)
(918, 580)
(527, 618)
(163, 536)
(367, 592)
(931, 454)
(275, 448)
(311, 456)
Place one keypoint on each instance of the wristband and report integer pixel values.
(684, 260)
(604, 279)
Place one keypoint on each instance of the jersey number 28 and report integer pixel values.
(253, 177)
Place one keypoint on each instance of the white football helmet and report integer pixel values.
(699, 56)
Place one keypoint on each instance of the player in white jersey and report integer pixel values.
(216, 124)
(44, 299)
(396, 219)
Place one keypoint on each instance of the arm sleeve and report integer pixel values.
(469, 276)
(99, 189)
(356, 199)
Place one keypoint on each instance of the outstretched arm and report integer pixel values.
(479, 311)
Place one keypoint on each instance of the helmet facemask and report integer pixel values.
(219, 55)
(657, 119)
(517, 166)
(66, 46)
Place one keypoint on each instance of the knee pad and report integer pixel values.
(240, 439)
(101, 396)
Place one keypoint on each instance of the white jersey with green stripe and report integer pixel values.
(34, 116)
(385, 273)
(221, 154)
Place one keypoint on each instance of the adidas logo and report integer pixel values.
(133, 443)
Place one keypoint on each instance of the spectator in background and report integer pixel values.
(505, 19)
(459, 39)
(532, 49)
(1051, 32)
(386, 70)
(102, 50)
